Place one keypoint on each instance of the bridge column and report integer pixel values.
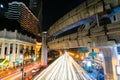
(14, 51)
(8, 48)
(18, 50)
(44, 50)
(110, 62)
(3, 50)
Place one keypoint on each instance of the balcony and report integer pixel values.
(15, 35)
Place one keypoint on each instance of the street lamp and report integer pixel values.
(22, 69)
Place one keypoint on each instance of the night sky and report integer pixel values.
(52, 9)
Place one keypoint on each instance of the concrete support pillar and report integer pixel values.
(116, 61)
(8, 51)
(18, 50)
(8, 48)
(34, 50)
(24, 49)
(3, 50)
(44, 50)
(29, 48)
(14, 51)
(110, 62)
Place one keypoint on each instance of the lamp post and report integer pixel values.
(22, 69)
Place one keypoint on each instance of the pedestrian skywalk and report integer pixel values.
(64, 68)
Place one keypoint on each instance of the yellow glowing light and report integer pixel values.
(50, 58)
(43, 64)
(96, 50)
(77, 56)
(38, 46)
(82, 57)
(30, 77)
(71, 54)
(63, 68)
(87, 54)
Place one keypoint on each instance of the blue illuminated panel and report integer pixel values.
(118, 50)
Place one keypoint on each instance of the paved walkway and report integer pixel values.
(6, 72)
(98, 74)
(12, 72)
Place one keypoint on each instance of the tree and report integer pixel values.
(54, 55)
(83, 50)
(93, 54)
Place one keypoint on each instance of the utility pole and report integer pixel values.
(22, 69)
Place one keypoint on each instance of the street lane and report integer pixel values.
(18, 74)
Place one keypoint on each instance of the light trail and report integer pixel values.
(64, 68)
(18, 73)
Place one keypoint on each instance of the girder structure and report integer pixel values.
(98, 37)
(84, 13)
(97, 23)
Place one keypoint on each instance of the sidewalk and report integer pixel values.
(6, 72)
(97, 74)
(9, 71)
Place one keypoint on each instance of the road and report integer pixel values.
(17, 74)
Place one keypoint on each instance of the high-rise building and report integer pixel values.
(20, 12)
(36, 7)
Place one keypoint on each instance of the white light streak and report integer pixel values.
(64, 68)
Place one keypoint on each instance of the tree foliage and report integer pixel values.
(83, 49)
